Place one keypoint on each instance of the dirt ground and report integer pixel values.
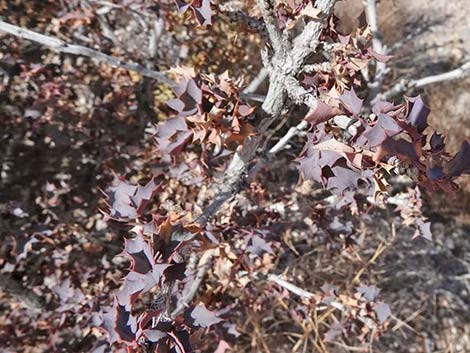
(427, 284)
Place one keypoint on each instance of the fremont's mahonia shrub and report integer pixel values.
(212, 192)
(353, 150)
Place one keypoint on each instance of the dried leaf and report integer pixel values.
(383, 312)
(201, 317)
(351, 101)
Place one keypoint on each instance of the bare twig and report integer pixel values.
(61, 46)
(231, 184)
(312, 68)
(300, 292)
(257, 81)
(253, 97)
(293, 131)
(415, 32)
(290, 287)
(460, 72)
(376, 85)
(404, 85)
(240, 17)
(362, 348)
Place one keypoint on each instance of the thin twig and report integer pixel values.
(253, 97)
(61, 46)
(404, 85)
(257, 81)
(242, 18)
(375, 86)
(290, 287)
(293, 131)
(460, 72)
(299, 291)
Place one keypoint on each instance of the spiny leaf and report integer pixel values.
(200, 316)
(418, 113)
(351, 101)
(460, 164)
(127, 201)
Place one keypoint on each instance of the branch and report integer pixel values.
(290, 287)
(257, 81)
(300, 95)
(202, 266)
(239, 16)
(403, 86)
(282, 84)
(461, 72)
(293, 131)
(61, 46)
(306, 43)
(270, 20)
(375, 86)
(253, 97)
(231, 184)
(301, 292)
(415, 32)
(313, 68)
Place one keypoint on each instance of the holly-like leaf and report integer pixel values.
(145, 273)
(310, 11)
(404, 150)
(425, 231)
(172, 135)
(127, 201)
(460, 164)
(189, 96)
(154, 335)
(351, 101)
(369, 292)
(200, 316)
(308, 165)
(384, 127)
(322, 113)
(379, 57)
(346, 178)
(222, 347)
(201, 8)
(120, 324)
(417, 113)
(258, 246)
(140, 252)
(437, 142)
(175, 272)
(335, 330)
(381, 107)
(383, 312)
